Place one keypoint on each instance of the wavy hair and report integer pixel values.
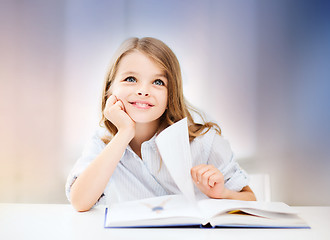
(177, 107)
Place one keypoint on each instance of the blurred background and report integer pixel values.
(261, 69)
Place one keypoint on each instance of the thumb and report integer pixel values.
(120, 105)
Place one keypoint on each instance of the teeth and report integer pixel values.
(142, 104)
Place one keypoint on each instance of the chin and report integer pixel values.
(143, 118)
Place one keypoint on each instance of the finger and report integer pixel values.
(194, 175)
(111, 101)
(201, 171)
(194, 171)
(122, 105)
(195, 168)
(217, 177)
(119, 105)
(206, 176)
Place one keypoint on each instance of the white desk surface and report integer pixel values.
(61, 221)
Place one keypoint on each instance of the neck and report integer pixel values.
(143, 132)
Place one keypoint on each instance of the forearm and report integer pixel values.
(245, 194)
(89, 186)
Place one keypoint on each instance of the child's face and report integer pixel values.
(142, 87)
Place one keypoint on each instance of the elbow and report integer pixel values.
(78, 204)
(81, 208)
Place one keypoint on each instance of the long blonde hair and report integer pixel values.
(177, 106)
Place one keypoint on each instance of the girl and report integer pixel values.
(143, 95)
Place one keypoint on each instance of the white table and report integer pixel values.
(61, 221)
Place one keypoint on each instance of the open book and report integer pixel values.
(176, 211)
(185, 210)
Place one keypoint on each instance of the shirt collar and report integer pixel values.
(151, 143)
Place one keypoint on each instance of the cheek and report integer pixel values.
(119, 92)
(164, 100)
(165, 96)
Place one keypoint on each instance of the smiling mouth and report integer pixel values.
(144, 105)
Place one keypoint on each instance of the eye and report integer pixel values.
(159, 82)
(130, 79)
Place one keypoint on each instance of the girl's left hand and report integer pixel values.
(209, 180)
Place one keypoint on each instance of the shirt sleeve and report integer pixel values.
(222, 157)
(91, 150)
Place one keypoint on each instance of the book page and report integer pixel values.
(213, 207)
(165, 210)
(173, 145)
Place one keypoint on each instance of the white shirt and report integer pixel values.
(135, 178)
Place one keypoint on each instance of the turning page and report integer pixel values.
(173, 145)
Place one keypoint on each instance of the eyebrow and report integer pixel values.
(129, 73)
(135, 73)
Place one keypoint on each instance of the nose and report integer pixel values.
(143, 90)
(141, 93)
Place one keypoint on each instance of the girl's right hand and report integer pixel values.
(115, 112)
